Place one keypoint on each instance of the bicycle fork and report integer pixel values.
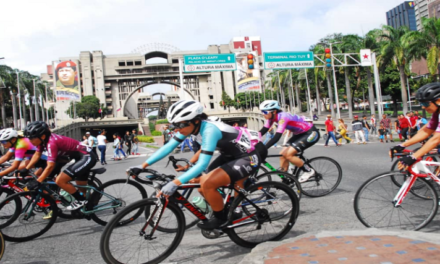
(406, 186)
(161, 204)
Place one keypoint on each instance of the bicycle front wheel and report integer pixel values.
(264, 219)
(284, 177)
(130, 244)
(2, 245)
(112, 193)
(27, 210)
(374, 203)
(328, 175)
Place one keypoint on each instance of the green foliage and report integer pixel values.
(152, 117)
(162, 121)
(152, 126)
(145, 139)
(228, 102)
(156, 133)
(87, 108)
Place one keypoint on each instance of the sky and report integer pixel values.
(34, 33)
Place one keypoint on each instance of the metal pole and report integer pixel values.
(310, 99)
(182, 91)
(37, 113)
(14, 108)
(279, 89)
(409, 94)
(334, 81)
(19, 100)
(377, 82)
(47, 108)
(292, 91)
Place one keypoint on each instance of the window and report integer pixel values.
(129, 63)
(175, 61)
(212, 105)
(121, 63)
(138, 63)
(211, 97)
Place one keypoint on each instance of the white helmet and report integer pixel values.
(184, 110)
(270, 105)
(214, 119)
(8, 133)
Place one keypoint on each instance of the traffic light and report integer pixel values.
(250, 62)
(328, 61)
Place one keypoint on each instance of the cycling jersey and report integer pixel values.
(23, 149)
(213, 135)
(63, 146)
(433, 123)
(294, 123)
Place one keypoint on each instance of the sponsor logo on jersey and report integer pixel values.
(282, 121)
(254, 160)
(312, 137)
(236, 167)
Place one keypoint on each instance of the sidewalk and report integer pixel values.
(354, 247)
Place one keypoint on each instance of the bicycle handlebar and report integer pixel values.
(174, 162)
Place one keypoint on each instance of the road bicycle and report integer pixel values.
(399, 200)
(21, 214)
(265, 216)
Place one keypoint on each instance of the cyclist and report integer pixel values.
(304, 135)
(21, 147)
(57, 146)
(429, 97)
(240, 156)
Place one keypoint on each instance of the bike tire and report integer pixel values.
(322, 183)
(9, 216)
(137, 192)
(286, 193)
(2, 245)
(285, 177)
(10, 232)
(111, 255)
(376, 195)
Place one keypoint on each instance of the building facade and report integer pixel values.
(402, 15)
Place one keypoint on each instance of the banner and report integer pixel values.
(365, 57)
(66, 81)
(248, 78)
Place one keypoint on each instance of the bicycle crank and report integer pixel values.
(212, 234)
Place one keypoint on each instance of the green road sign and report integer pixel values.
(209, 62)
(288, 60)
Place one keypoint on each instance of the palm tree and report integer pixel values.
(6, 75)
(393, 52)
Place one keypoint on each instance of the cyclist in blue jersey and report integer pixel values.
(240, 155)
(429, 97)
(304, 135)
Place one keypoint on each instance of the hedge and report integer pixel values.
(162, 121)
(152, 126)
(156, 133)
(145, 139)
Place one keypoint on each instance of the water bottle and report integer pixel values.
(67, 196)
(201, 204)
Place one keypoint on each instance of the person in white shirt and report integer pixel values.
(102, 145)
(373, 125)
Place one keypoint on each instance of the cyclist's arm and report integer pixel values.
(165, 150)
(423, 134)
(35, 158)
(264, 131)
(50, 167)
(6, 157)
(267, 127)
(274, 140)
(428, 146)
(13, 167)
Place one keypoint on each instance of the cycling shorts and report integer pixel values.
(304, 140)
(83, 164)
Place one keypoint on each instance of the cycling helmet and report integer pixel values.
(269, 105)
(428, 92)
(7, 134)
(214, 119)
(184, 110)
(37, 129)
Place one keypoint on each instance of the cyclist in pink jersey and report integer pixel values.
(429, 97)
(40, 135)
(19, 147)
(304, 135)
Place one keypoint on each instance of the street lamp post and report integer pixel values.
(19, 100)
(47, 108)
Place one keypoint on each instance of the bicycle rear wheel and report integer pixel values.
(127, 244)
(275, 218)
(2, 245)
(328, 175)
(125, 192)
(374, 203)
(27, 210)
(283, 177)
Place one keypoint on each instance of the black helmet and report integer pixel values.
(428, 92)
(37, 129)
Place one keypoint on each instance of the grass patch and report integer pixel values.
(151, 146)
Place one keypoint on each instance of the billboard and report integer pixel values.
(66, 81)
(247, 78)
(434, 9)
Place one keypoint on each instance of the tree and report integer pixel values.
(227, 100)
(87, 108)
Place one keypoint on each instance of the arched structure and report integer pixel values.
(152, 47)
(130, 104)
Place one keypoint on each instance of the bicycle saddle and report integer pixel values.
(98, 170)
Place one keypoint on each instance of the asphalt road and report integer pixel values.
(77, 241)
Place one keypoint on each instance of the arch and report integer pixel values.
(132, 103)
(156, 54)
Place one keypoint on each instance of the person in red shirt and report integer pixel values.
(413, 120)
(404, 126)
(329, 128)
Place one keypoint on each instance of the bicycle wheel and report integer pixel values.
(275, 219)
(127, 244)
(328, 175)
(2, 245)
(124, 191)
(284, 177)
(374, 203)
(27, 215)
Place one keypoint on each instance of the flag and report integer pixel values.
(100, 110)
(223, 103)
(119, 109)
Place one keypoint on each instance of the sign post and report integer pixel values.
(209, 62)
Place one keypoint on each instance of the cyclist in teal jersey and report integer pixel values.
(240, 155)
(304, 136)
(429, 98)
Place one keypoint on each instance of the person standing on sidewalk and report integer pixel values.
(135, 142)
(397, 127)
(413, 122)
(365, 127)
(387, 125)
(102, 145)
(92, 142)
(128, 139)
(329, 129)
(356, 125)
(343, 131)
(404, 126)
(166, 134)
(373, 125)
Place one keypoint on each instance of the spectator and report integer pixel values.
(356, 125)
(365, 127)
(373, 125)
(245, 125)
(117, 145)
(404, 127)
(102, 145)
(287, 135)
(387, 125)
(421, 122)
(382, 132)
(186, 142)
(128, 141)
(315, 117)
(92, 143)
(329, 129)
(235, 124)
(135, 142)
(343, 131)
(413, 123)
(166, 134)
(85, 141)
(397, 127)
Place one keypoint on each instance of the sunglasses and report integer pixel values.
(425, 104)
(266, 112)
(181, 125)
(4, 142)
